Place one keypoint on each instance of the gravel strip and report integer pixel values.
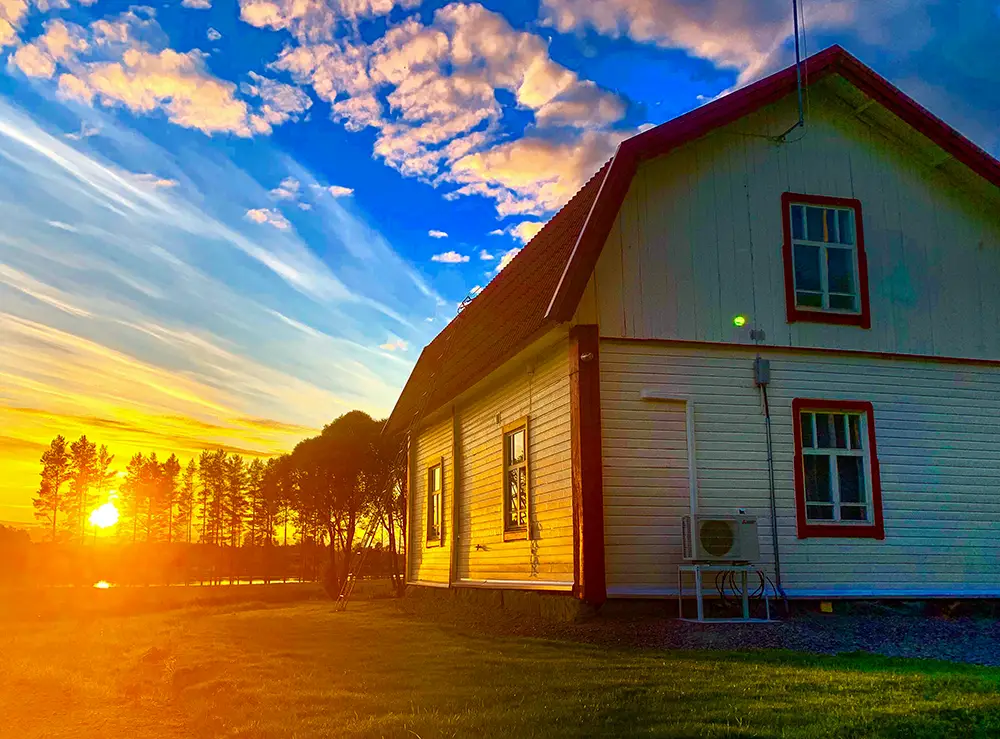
(887, 632)
(976, 641)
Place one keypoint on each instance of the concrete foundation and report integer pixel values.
(562, 607)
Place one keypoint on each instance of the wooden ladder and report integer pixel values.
(357, 562)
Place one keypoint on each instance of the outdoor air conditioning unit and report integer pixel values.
(721, 539)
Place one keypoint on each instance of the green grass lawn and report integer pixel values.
(301, 670)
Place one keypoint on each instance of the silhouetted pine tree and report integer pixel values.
(166, 496)
(83, 474)
(55, 472)
(186, 499)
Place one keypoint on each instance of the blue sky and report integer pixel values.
(229, 221)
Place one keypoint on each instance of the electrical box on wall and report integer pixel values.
(761, 371)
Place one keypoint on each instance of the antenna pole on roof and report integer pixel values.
(801, 122)
(798, 58)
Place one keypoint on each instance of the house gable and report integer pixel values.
(727, 110)
(699, 238)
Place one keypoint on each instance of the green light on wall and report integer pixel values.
(739, 321)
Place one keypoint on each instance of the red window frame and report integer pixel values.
(795, 314)
(876, 530)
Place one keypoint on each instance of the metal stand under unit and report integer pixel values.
(744, 570)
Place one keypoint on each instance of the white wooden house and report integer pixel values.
(560, 424)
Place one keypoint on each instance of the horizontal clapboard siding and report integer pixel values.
(698, 240)
(537, 387)
(430, 445)
(937, 428)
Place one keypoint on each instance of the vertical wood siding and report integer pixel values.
(698, 240)
(430, 445)
(539, 389)
(938, 431)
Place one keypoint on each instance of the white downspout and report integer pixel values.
(692, 467)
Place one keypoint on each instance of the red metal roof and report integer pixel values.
(543, 285)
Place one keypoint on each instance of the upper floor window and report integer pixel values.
(826, 272)
(837, 487)
(515, 479)
(435, 488)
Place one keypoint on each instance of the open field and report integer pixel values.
(297, 669)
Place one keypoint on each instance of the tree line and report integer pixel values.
(325, 493)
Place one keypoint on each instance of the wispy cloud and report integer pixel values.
(122, 300)
(197, 4)
(153, 180)
(436, 234)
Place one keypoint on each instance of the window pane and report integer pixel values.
(824, 422)
(808, 300)
(819, 512)
(515, 447)
(517, 498)
(807, 275)
(840, 430)
(817, 470)
(846, 226)
(815, 224)
(843, 302)
(855, 425)
(806, 424)
(435, 479)
(853, 513)
(850, 471)
(513, 497)
(798, 214)
(840, 270)
(522, 501)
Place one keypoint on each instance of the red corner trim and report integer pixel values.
(725, 110)
(795, 314)
(843, 531)
(588, 486)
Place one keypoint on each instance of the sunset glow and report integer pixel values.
(104, 516)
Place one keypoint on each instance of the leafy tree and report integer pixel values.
(55, 472)
(336, 481)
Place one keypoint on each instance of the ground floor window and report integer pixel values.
(515, 479)
(435, 490)
(837, 486)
